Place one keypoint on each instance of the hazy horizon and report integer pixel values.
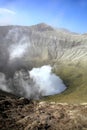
(70, 14)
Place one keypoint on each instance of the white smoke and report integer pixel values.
(48, 83)
(3, 83)
(33, 84)
(17, 51)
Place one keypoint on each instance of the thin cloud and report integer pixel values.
(6, 16)
(6, 11)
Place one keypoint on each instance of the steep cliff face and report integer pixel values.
(27, 47)
(45, 43)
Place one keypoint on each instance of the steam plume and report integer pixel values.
(35, 83)
(47, 82)
(17, 79)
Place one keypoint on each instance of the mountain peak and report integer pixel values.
(42, 27)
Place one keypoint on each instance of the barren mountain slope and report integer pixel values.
(59, 45)
(64, 50)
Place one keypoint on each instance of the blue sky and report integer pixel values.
(69, 14)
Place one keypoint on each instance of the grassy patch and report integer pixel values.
(75, 78)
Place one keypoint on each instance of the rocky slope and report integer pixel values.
(23, 114)
(46, 43)
(64, 50)
(22, 48)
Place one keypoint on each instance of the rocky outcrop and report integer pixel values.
(23, 114)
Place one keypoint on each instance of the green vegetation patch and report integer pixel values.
(75, 78)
